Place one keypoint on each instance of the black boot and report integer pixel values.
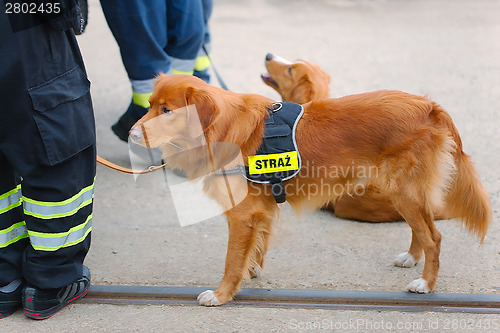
(127, 120)
(10, 298)
(43, 303)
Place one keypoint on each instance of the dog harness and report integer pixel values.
(278, 158)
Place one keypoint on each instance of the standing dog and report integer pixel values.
(301, 82)
(409, 142)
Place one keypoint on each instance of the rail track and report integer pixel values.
(299, 298)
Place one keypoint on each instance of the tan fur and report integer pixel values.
(309, 82)
(408, 142)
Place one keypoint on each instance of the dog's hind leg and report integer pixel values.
(408, 191)
(420, 219)
(415, 177)
(410, 258)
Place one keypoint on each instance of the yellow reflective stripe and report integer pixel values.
(175, 71)
(202, 63)
(10, 199)
(54, 241)
(13, 234)
(14, 205)
(50, 210)
(58, 215)
(5, 195)
(141, 99)
(60, 203)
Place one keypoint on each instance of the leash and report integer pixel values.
(113, 166)
(219, 78)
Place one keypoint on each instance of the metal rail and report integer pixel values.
(299, 298)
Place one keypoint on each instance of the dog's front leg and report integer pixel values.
(240, 244)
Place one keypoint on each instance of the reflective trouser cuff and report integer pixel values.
(182, 66)
(202, 63)
(141, 99)
(11, 233)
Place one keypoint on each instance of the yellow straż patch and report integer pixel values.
(259, 164)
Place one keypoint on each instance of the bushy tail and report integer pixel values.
(467, 198)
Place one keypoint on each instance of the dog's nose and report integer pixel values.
(135, 133)
(269, 56)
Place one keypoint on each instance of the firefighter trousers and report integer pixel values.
(47, 155)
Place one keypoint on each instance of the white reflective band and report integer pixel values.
(143, 86)
(182, 65)
(54, 241)
(50, 210)
(10, 199)
(13, 234)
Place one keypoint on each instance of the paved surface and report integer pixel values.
(449, 50)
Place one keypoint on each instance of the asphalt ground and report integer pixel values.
(449, 50)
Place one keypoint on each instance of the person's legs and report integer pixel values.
(186, 33)
(48, 137)
(57, 205)
(155, 36)
(140, 29)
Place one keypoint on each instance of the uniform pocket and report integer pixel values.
(64, 115)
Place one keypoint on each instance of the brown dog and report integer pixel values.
(405, 145)
(301, 82)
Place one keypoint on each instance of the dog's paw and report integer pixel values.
(405, 260)
(256, 272)
(418, 286)
(208, 298)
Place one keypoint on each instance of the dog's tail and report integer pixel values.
(467, 199)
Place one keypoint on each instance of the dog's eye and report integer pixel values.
(290, 70)
(166, 111)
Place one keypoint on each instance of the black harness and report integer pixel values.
(278, 158)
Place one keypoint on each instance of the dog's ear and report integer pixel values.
(204, 112)
(195, 128)
(320, 85)
(303, 91)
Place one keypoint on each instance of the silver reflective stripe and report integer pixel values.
(10, 199)
(13, 234)
(54, 241)
(182, 66)
(143, 86)
(50, 210)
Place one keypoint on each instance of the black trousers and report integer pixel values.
(47, 155)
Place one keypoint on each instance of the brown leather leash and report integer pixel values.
(113, 166)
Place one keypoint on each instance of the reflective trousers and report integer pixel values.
(47, 155)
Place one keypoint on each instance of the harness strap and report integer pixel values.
(237, 170)
(277, 187)
(278, 190)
